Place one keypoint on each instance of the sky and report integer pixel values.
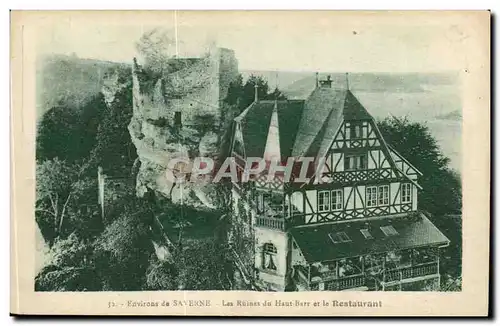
(292, 41)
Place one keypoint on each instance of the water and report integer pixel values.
(423, 107)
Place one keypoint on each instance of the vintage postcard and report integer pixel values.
(250, 163)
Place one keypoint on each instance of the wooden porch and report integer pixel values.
(365, 275)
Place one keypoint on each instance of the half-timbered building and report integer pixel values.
(353, 224)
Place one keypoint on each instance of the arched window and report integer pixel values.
(269, 256)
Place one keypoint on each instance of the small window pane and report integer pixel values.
(337, 200)
(371, 196)
(323, 201)
(383, 195)
(405, 193)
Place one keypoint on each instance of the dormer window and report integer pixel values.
(339, 237)
(366, 233)
(389, 230)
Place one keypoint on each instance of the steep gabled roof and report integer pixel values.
(322, 111)
(353, 110)
(289, 120)
(256, 119)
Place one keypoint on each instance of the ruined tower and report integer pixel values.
(180, 113)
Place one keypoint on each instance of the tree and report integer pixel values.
(442, 191)
(123, 251)
(90, 119)
(58, 135)
(242, 95)
(54, 188)
(156, 46)
(114, 150)
(65, 201)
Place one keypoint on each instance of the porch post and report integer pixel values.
(383, 271)
(437, 250)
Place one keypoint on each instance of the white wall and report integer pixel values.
(280, 241)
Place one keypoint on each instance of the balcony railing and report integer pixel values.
(360, 280)
(349, 282)
(271, 222)
(360, 175)
(411, 272)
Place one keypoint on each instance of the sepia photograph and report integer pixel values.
(226, 151)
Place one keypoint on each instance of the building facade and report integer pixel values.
(353, 224)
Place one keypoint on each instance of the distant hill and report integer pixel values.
(300, 84)
(69, 80)
(455, 115)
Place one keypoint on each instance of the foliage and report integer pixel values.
(442, 191)
(89, 122)
(161, 275)
(122, 253)
(156, 46)
(113, 149)
(69, 133)
(243, 94)
(65, 202)
(58, 135)
(199, 266)
(54, 188)
(451, 284)
(70, 268)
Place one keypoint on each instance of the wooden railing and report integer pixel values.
(360, 175)
(411, 272)
(271, 222)
(359, 280)
(348, 282)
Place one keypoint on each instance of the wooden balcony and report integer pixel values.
(404, 273)
(361, 280)
(349, 282)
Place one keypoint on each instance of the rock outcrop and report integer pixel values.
(180, 114)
